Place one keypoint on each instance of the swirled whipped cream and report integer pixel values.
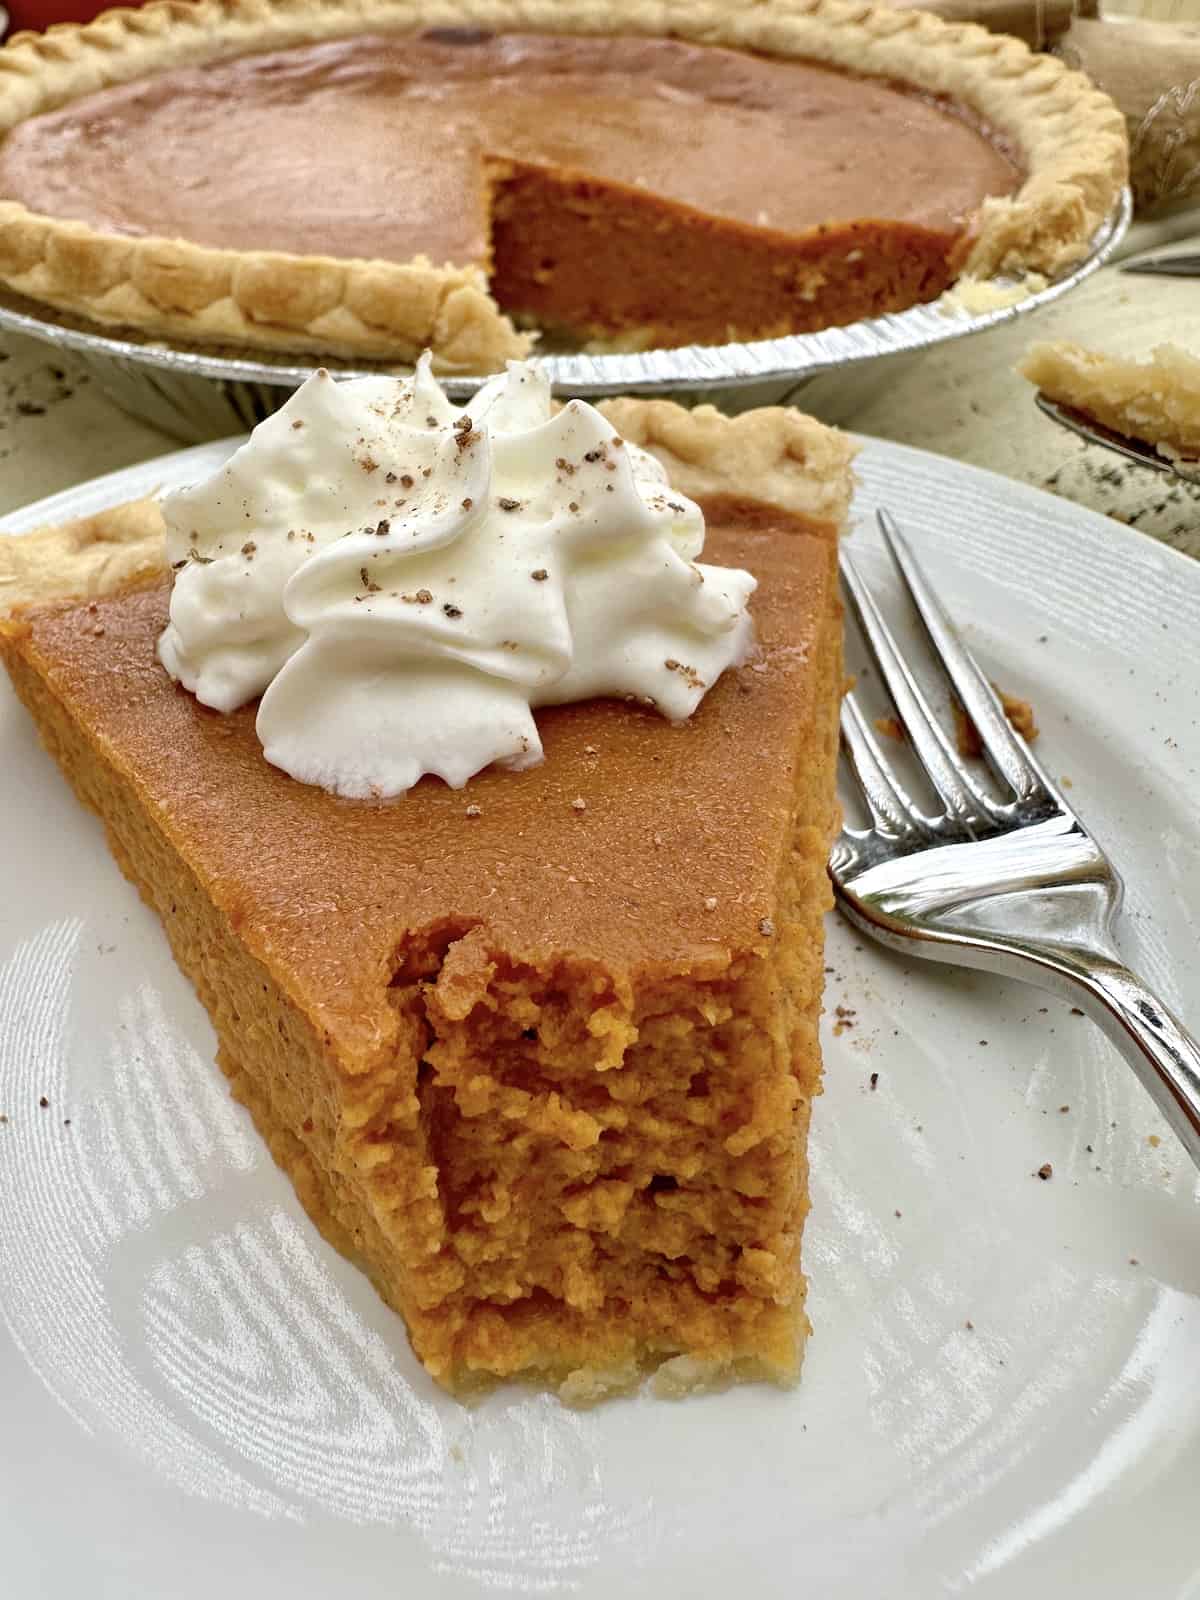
(404, 581)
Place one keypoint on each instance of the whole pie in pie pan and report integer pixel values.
(370, 178)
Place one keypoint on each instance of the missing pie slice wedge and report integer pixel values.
(539, 1056)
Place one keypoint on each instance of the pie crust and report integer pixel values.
(1156, 400)
(1070, 138)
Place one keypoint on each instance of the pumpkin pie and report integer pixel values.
(359, 180)
(540, 1057)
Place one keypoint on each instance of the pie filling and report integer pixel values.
(642, 190)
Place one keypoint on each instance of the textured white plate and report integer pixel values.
(198, 1398)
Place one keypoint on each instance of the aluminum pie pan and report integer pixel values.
(684, 372)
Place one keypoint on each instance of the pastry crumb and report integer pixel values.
(1020, 715)
(976, 296)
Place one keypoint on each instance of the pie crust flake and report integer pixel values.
(1069, 138)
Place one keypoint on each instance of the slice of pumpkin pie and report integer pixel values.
(490, 824)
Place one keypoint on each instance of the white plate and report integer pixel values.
(199, 1398)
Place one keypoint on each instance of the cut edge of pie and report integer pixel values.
(1070, 137)
(1156, 400)
(768, 984)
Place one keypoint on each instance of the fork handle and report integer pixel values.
(1157, 1046)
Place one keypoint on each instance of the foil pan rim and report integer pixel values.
(688, 367)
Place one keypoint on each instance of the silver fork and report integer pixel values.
(1015, 886)
(1093, 432)
(1164, 266)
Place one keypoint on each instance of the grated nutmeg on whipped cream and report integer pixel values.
(403, 581)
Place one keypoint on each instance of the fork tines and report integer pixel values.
(966, 803)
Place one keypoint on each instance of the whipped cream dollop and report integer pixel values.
(403, 580)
